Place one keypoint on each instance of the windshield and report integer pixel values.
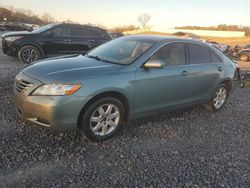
(44, 28)
(121, 51)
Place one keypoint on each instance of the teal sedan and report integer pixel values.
(127, 78)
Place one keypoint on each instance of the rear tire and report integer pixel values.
(29, 54)
(219, 98)
(102, 119)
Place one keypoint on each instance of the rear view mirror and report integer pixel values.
(154, 64)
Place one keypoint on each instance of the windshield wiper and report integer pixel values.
(100, 59)
(93, 57)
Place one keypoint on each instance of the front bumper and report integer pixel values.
(9, 48)
(55, 112)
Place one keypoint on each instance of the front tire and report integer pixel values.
(29, 54)
(102, 119)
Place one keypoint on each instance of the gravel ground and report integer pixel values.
(190, 148)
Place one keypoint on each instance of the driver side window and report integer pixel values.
(61, 32)
(172, 54)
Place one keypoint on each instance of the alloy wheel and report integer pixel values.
(29, 55)
(105, 119)
(220, 97)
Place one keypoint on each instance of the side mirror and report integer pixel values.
(154, 64)
(49, 34)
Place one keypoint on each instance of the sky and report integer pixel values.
(164, 13)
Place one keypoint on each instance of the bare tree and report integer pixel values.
(143, 19)
(47, 18)
(11, 16)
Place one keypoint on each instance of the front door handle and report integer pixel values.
(184, 73)
(220, 69)
(91, 40)
(67, 40)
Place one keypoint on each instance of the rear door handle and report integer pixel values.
(184, 73)
(220, 69)
(91, 40)
(67, 40)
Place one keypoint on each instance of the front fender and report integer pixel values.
(119, 83)
(33, 44)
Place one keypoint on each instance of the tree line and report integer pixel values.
(11, 14)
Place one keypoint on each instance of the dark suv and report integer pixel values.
(56, 38)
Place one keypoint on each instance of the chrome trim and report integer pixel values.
(35, 120)
(193, 42)
(25, 84)
(21, 85)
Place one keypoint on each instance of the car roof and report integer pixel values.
(159, 38)
(75, 24)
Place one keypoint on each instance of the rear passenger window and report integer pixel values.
(172, 54)
(80, 32)
(199, 54)
(85, 32)
(215, 58)
(95, 33)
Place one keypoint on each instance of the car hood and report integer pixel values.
(17, 33)
(69, 68)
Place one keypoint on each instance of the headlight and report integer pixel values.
(56, 89)
(13, 38)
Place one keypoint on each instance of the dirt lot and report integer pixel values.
(231, 41)
(190, 148)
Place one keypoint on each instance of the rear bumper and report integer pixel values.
(236, 80)
(235, 84)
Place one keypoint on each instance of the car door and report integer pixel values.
(98, 37)
(156, 89)
(85, 38)
(82, 40)
(58, 40)
(206, 70)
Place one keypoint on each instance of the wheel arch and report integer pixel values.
(228, 83)
(33, 44)
(118, 95)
